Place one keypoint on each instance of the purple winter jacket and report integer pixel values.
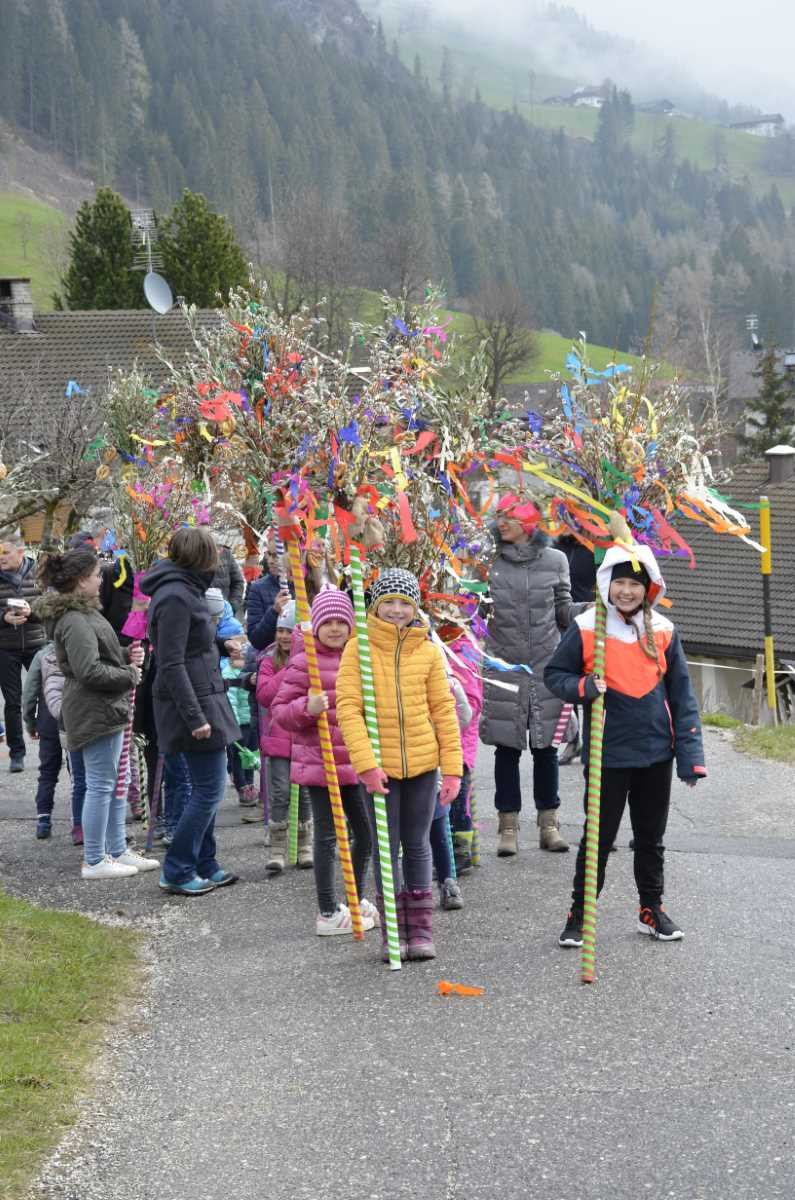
(289, 710)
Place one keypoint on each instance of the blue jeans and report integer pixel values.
(176, 790)
(78, 773)
(193, 850)
(508, 790)
(103, 811)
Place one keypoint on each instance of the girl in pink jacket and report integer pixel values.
(296, 711)
(276, 744)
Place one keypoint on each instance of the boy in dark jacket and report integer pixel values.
(651, 721)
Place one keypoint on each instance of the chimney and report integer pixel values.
(16, 305)
(781, 464)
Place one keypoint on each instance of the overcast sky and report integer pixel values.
(743, 52)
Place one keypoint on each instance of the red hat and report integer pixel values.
(525, 512)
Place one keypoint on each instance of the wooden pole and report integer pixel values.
(767, 570)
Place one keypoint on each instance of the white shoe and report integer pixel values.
(131, 858)
(369, 913)
(107, 868)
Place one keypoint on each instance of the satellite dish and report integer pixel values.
(158, 293)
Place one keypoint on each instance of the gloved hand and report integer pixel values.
(375, 780)
(690, 780)
(594, 686)
(451, 786)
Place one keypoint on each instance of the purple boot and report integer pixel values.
(419, 923)
(400, 905)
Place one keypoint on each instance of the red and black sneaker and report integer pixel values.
(655, 921)
(572, 932)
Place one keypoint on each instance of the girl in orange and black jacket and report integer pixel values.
(651, 721)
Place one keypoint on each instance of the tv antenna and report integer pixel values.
(157, 290)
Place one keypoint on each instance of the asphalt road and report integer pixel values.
(264, 1062)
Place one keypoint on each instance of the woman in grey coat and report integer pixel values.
(531, 604)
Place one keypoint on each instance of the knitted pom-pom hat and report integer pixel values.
(395, 583)
(330, 604)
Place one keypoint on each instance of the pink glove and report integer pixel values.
(375, 780)
(451, 786)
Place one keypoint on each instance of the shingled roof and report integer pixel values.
(84, 347)
(718, 606)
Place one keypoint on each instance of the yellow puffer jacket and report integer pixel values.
(417, 722)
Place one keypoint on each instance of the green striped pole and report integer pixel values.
(379, 801)
(473, 813)
(292, 831)
(450, 848)
(588, 958)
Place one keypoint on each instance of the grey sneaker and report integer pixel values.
(451, 895)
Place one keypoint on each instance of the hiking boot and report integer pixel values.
(655, 921)
(277, 853)
(419, 924)
(17, 764)
(192, 887)
(252, 814)
(222, 878)
(507, 834)
(549, 831)
(450, 895)
(305, 858)
(572, 930)
(462, 852)
(43, 829)
(77, 835)
(248, 796)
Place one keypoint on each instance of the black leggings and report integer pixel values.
(325, 840)
(648, 790)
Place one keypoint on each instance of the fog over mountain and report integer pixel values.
(740, 52)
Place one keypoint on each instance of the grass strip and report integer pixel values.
(777, 743)
(62, 977)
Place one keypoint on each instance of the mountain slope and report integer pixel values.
(157, 97)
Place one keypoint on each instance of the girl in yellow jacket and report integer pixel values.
(419, 735)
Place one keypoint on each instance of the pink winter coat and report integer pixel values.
(289, 710)
(469, 676)
(275, 741)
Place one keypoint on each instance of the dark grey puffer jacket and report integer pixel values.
(531, 604)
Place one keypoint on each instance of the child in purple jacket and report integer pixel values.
(295, 710)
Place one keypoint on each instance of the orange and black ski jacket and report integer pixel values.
(651, 713)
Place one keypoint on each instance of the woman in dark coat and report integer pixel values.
(192, 713)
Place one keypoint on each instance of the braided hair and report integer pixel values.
(648, 644)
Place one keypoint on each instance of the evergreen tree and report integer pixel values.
(101, 252)
(201, 256)
(772, 419)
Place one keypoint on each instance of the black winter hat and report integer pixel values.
(624, 570)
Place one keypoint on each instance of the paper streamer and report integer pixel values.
(329, 766)
(588, 954)
(379, 801)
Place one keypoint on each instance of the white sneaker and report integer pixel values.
(131, 858)
(107, 868)
(339, 922)
(369, 913)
